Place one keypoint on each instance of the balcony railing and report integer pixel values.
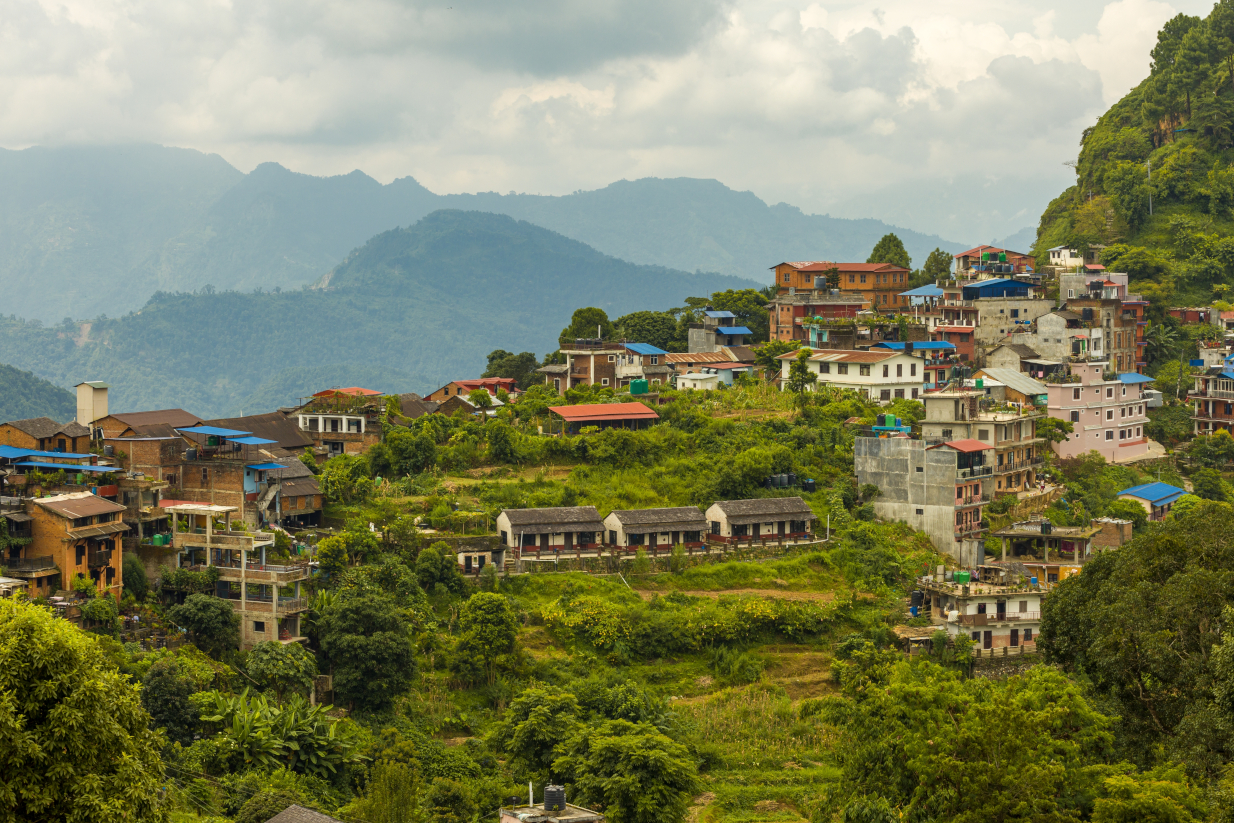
(29, 564)
(1215, 393)
(997, 617)
(970, 500)
(978, 471)
(100, 558)
(1020, 465)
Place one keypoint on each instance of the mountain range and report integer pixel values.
(409, 310)
(93, 231)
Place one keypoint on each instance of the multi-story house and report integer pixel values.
(937, 488)
(1001, 611)
(1008, 428)
(70, 534)
(642, 361)
(879, 284)
(1063, 257)
(790, 315)
(991, 261)
(1212, 400)
(719, 329)
(45, 435)
(1107, 411)
(267, 598)
(1119, 324)
(879, 374)
(342, 421)
(590, 362)
(160, 423)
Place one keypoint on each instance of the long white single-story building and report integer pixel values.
(562, 527)
(761, 517)
(632, 528)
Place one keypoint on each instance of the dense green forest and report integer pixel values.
(22, 395)
(1154, 180)
(409, 311)
(90, 231)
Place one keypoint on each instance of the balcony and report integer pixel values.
(22, 566)
(1213, 393)
(1020, 465)
(258, 573)
(978, 471)
(198, 539)
(99, 558)
(265, 603)
(970, 500)
(998, 617)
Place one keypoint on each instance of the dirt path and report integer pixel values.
(824, 597)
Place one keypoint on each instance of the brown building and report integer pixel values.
(341, 421)
(879, 284)
(130, 424)
(70, 534)
(456, 387)
(791, 315)
(301, 502)
(991, 261)
(45, 434)
(1120, 329)
(588, 362)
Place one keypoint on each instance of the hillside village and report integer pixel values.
(849, 459)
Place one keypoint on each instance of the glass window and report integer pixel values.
(1109, 435)
(863, 371)
(824, 368)
(912, 369)
(1075, 394)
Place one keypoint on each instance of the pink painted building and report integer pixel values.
(1109, 416)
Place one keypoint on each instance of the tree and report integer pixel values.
(437, 565)
(890, 250)
(411, 453)
(632, 771)
(749, 308)
(8, 541)
(937, 266)
(449, 801)
(1128, 510)
(394, 794)
(519, 367)
(211, 623)
(800, 377)
(1162, 342)
(1160, 796)
(1206, 483)
(1173, 379)
(135, 582)
(501, 442)
(489, 629)
(766, 356)
(367, 644)
(656, 328)
(332, 557)
(310, 460)
(75, 742)
(538, 721)
(481, 399)
(1053, 430)
(266, 804)
(285, 669)
(165, 695)
(586, 322)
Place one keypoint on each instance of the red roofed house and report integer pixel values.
(605, 416)
(456, 387)
(992, 261)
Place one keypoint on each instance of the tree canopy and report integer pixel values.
(891, 250)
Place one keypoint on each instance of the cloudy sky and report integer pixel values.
(948, 116)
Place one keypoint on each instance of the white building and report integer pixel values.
(766, 517)
(877, 374)
(651, 528)
(695, 380)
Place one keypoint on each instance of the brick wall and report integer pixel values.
(1112, 535)
(10, 436)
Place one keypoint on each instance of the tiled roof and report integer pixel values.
(79, 504)
(299, 814)
(699, 356)
(177, 418)
(847, 356)
(644, 517)
(765, 506)
(46, 427)
(272, 426)
(559, 515)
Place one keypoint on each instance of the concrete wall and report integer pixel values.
(994, 320)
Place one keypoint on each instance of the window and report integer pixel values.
(914, 394)
(824, 368)
(205, 476)
(963, 338)
(612, 358)
(1109, 435)
(920, 469)
(983, 434)
(852, 278)
(1015, 312)
(1071, 292)
(604, 381)
(920, 511)
(863, 278)
(1109, 414)
(899, 370)
(946, 434)
(1075, 394)
(655, 360)
(886, 370)
(900, 394)
(912, 369)
(1122, 412)
(1075, 417)
(1028, 635)
(259, 626)
(786, 276)
(1137, 431)
(1122, 434)
(864, 371)
(1124, 391)
(842, 368)
(1109, 391)
(884, 395)
(1023, 606)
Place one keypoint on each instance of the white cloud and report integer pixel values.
(828, 105)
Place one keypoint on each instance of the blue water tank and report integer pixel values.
(1033, 580)
(913, 610)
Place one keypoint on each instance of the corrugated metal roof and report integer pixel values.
(734, 330)
(719, 314)
(1156, 493)
(646, 348)
(968, 445)
(1132, 378)
(68, 467)
(605, 411)
(264, 467)
(214, 430)
(1017, 380)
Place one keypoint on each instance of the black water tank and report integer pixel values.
(918, 598)
(1047, 527)
(792, 479)
(554, 798)
(809, 485)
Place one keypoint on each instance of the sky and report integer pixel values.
(951, 116)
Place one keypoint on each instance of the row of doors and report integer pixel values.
(986, 639)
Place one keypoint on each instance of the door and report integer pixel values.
(1015, 637)
(781, 527)
(987, 640)
(981, 610)
(676, 538)
(467, 564)
(754, 530)
(1002, 610)
(569, 539)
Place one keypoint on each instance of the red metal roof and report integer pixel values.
(354, 391)
(968, 445)
(980, 249)
(958, 329)
(605, 411)
(728, 365)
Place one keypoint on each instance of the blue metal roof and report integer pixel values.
(253, 441)
(266, 466)
(1227, 375)
(638, 348)
(1156, 493)
(929, 345)
(70, 467)
(11, 452)
(734, 330)
(719, 315)
(996, 288)
(1132, 378)
(923, 291)
(215, 430)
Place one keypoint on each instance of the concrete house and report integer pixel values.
(1212, 400)
(766, 518)
(81, 533)
(562, 527)
(341, 421)
(651, 528)
(642, 361)
(1000, 611)
(1156, 498)
(1108, 414)
(718, 330)
(935, 489)
(1009, 428)
(589, 361)
(463, 387)
(148, 423)
(881, 374)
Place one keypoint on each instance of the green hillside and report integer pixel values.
(22, 395)
(410, 310)
(92, 231)
(1154, 180)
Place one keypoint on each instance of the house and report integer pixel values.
(267, 598)
(642, 361)
(1017, 387)
(299, 814)
(460, 403)
(1212, 400)
(156, 423)
(591, 362)
(1189, 316)
(279, 429)
(9, 585)
(728, 372)
(1010, 429)
(1034, 541)
(341, 421)
(1011, 356)
(604, 416)
(1156, 498)
(234, 468)
(991, 261)
(766, 518)
(939, 360)
(630, 529)
(693, 362)
(80, 532)
(881, 375)
(45, 435)
(938, 489)
(91, 401)
(1002, 612)
(563, 527)
(699, 381)
(1107, 413)
(463, 387)
(1063, 257)
(412, 406)
(1120, 325)
(789, 315)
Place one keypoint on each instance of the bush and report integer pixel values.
(135, 581)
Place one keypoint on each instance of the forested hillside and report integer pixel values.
(1154, 180)
(22, 395)
(92, 231)
(408, 311)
